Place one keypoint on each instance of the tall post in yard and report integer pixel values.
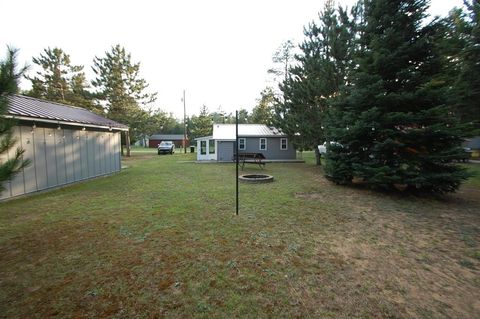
(184, 125)
(236, 161)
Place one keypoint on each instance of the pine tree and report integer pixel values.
(318, 74)
(201, 125)
(282, 58)
(243, 116)
(263, 112)
(51, 83)
(467, 85)
(391, 125)
(60, 81)
(120, 88)
(9, 77)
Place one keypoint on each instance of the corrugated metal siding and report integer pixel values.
(225, 149)
(60, 157)
(40, 158)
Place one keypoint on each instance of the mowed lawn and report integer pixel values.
(160, 239)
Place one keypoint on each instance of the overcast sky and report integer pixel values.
(218, 51)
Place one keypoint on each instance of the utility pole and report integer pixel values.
(236, 162)
(184, 125)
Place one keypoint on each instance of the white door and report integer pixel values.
(206, 150)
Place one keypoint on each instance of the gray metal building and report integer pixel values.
(65, 145)
(253, 138)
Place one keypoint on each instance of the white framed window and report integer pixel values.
(203, 147)
(242, 144)
(283, 144)
(211, 146)
(263, 144)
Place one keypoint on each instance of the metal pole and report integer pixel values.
(236, 160)
(184, 125)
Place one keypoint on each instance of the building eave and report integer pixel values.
(59, 122)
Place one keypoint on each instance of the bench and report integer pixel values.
(253, 158)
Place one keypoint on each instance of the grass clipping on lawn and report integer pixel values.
(161, 240)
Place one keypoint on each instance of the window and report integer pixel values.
(263, 144)
(203, 147)
(211, 147)
(242, 144)
(283, 144)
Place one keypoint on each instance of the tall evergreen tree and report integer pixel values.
(60, 81)
(9, 77)
(201, 125)
(319, 72)
(282, 58)
(243, 116)
(263, 112)
(467, 85)
(120, 88)
(391, 125)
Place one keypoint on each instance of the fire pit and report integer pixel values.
(256, 178)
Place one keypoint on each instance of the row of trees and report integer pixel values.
(395, 92)
(117, 91)
(262, 113)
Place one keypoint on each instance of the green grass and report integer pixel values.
(474, 168)
(160, 239)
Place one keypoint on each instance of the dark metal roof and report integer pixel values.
(24, 107)
(167, 137)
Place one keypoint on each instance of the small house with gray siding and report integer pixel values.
(65, 144)
(253, 138)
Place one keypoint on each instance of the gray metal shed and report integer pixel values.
(65, 144)
(253, 138)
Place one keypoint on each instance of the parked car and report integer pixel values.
(166, 147)
(467, 154)
(322, 149)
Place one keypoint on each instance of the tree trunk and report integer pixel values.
(317, 156)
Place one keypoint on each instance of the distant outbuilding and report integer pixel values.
(177, 139)
(271, 142)
(65, 144)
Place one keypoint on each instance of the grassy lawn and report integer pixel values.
(160, 239)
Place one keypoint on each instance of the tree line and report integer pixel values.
(392, 93)
(119, 93)
(117, 90)
(262, 113)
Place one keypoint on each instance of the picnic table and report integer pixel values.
(253, 158)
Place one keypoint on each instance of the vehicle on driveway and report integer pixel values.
(166, 147)
(322, 149)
